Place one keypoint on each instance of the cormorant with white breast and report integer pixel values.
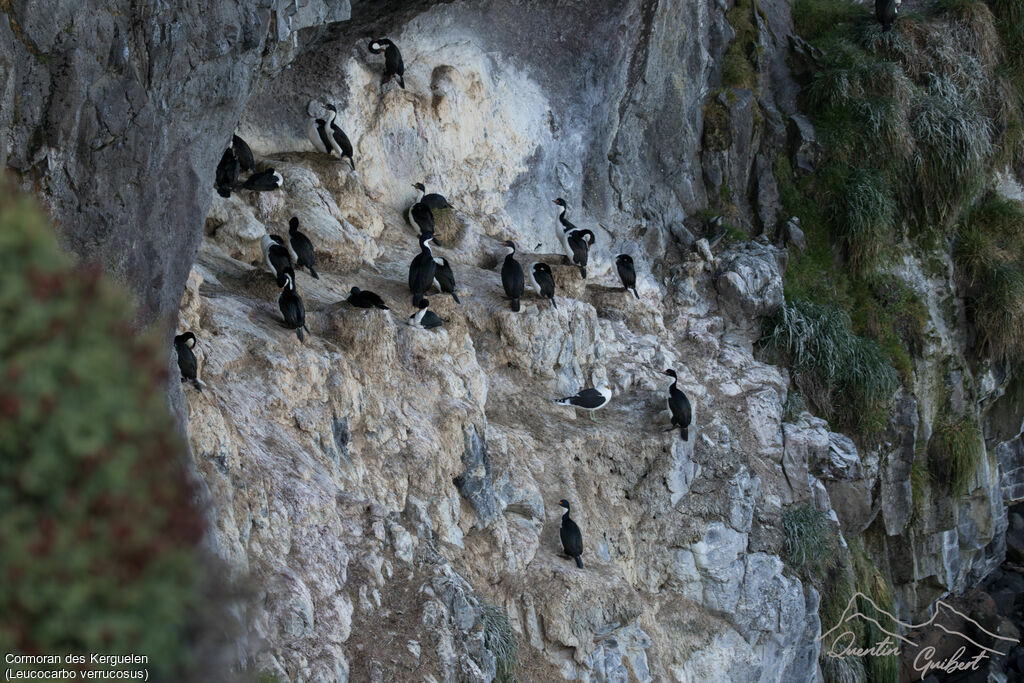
(885, 12)
(512, 275)
(365, 299)
(187, 359)
(589, 399)
(435, 201)
(264, 181)
(290, 303)
(423, 317)
(624, 264)
(679, 406)
(572, 539)
(580, 242)
(302, 247)
(227, 173)
(444, 278)
(394, 67)
(342, 145)
(421, 270)
(276, 254)
(246, 160)
(544, 282)
(565, 226)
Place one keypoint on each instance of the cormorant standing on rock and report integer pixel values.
(421, 270)
(679, 406)
(364, 299)
(394, 67)
(246, 160)
(885, 12)
(624, 264)
(512, 276)
(290, 303)
(342, 145)
(423, 317)
(572, 539)
(276, 254)
(302, 247)
(565, 228)
(187, 359)
(545, 282)
(580, 242)
(589, 399)
(444, 278)
(227, 173)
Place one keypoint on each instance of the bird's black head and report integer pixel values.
(541, 268)
(564, 503)
(423, 304)
(331, 107)
(625, 258)
(278, 239)
(293, 224)
(426, 237)
(510, 244)
(560, 201)
(286, 278)
(670, 373)
(185, 338)
(587, 237)
(375, 46)
(353, 291)
(420, 187)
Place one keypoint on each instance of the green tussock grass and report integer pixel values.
(738, 62)
(920, 481)
(810, 540)
(954, 451)
(501, 640)
(871, 582)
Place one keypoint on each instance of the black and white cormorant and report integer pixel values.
(422, 217)
(589, 399)
(342, 145)
(290, 303)
(572, 539)
(421, 270)
(245, 158)
(444, 278)
(264, 181)
(512, 275)
(624, 264)
(435, 201)
(276, 254)
(187, 359)
(885, 12)
(544, 282)
(301, 247)
(563, 226)
(580, 242)
(679, 406)
(365, 299)
(394, 67)
(424, 317)
(227, 173)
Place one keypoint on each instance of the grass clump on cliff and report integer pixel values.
(500, 639)
(872, 583)
(810, 540)
(97, 524)
(954, 451)
(845, 376)
(738, 62)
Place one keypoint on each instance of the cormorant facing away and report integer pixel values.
(244, 154)
(227, 173)
(394, 67)
(276, 254)
(580, 242)
(624, 264)
(290, 303)
(589, 399)
(885, 12)
(422, 217)
(444, 278)
(264, 181)
(433, 200)
(302, 247)
(342, 145)
(512, 276)
(187, 359)
(679, 406)
(364, 299)
(544, 282)
(421, 270)
(423, 317)
(572, 539)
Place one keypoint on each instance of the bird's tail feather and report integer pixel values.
(401, 82)
(312, 272)
(583, 272)
(456, 297)
(553, 304)
(352, 161)
(579, 562)
(515, 305)
(635, 293)
(298, 331)
(686, 434)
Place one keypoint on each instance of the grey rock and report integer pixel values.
(803, 144)
(475, 482)
(749, 280)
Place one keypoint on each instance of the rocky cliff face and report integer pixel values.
(393, 491)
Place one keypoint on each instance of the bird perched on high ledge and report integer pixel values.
(327, 136)
(423, 317)
(187, 359)
(435, 201)
(580, 242)
(544, 282)
(444, 277)
(227, 173)
(341, 146)
(421, 270)
(572, 539)
(624, 264)
(301, 247)
(365, 299)
(589, 399)
(290, 303)
(512, 276)
(394, 67)
(276, 254)
(245, 158)
(679, 406)
(885, 12)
